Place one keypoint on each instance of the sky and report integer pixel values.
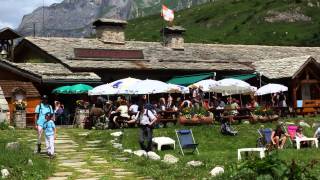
(12, 11)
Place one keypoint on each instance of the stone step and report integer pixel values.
(123, 173)
(100, 162)
(73, 164)
(58, 178)
(94, 142)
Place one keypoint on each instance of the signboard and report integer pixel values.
(108, 53)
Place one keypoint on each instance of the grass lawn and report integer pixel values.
(215, 149)
(17, 161)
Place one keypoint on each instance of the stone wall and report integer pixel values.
(19, 119)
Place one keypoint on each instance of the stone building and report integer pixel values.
(109, 57)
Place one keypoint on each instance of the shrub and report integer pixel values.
(271, 167)
(4, 125)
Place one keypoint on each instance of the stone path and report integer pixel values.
(84, 163)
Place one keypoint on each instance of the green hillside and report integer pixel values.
(269, 22)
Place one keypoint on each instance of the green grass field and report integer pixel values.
(215, 149)
(17, 161)
(237, 22)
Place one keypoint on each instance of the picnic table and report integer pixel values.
(168, 116)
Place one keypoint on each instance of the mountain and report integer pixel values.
(73, 18)
(267, 22)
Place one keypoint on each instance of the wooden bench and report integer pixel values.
(306, 107)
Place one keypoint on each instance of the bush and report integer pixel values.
(272, 167)
(4, 125)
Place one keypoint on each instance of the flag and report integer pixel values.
(167, 14)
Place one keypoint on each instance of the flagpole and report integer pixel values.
(163, 40)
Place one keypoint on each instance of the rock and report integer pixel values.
(170, 159)
(153, 156)
(216, 171)
(140, 153)
(116, 134)
(4, 173)
(246, 122)
(304, 124)
(11, 128)
(13, 146)
(30, 162)
(194, 163)
(117, 145)
(113, 141)
(128, 151)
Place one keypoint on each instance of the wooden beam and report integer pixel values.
(310, 81)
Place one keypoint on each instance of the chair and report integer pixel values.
(292, 129)
(186, 141)
(265, 139)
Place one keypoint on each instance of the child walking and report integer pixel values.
(51, 134)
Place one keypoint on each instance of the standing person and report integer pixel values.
(317, 134)
(51, 134)
(58, 112)
(145, 119)
(41, 110)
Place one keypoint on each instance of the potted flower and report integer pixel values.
(195, 115)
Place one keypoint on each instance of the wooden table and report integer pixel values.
(168, 116)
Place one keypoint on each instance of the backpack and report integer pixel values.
(226, 129)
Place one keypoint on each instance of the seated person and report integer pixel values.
(221, 104)
(317, 134)
(162, 104)
(133, 109)
(122, 112)
(279, 137)
(186, 104)
(299, 134)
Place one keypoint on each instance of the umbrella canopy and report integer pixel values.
(98, 91)
(270, 89)
(178, 89)
(149, 87)
(232, 86)
(62, 90)
(117, 87)
(80, 89)
(205, 84)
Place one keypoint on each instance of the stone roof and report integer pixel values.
(8, 34)
(157, 57)
(281, 68)
(9, 86)
(195, 56)
(53, 72)
(109, 21)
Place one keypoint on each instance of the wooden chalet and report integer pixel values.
(49, 61)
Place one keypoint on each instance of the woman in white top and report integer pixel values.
(123, 109)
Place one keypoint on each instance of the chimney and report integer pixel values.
(173, 37)
(110, 30)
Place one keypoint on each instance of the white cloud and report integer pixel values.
(12, 11)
